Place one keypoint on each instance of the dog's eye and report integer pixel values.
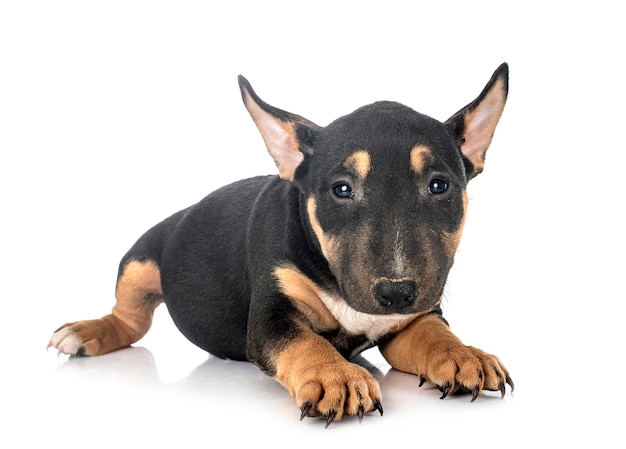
(437, 186)
(343, 191)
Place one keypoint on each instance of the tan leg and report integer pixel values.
(138, 294)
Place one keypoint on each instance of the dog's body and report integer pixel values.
(348, 248)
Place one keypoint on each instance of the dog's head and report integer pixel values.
(384, 190)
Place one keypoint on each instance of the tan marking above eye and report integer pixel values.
(421, 156)
(359, 163)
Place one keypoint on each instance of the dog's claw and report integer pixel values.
(422, 381)
(330, 418)
(306, 407)
(360, 412)
(476, 389)
(475, 393)
(378, 406)
(445, 390)
(510, 382)
(502, 389)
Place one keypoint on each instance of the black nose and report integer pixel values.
(396, 294)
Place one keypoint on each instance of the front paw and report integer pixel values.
(465, 369)
(337, 390)
(322, 382)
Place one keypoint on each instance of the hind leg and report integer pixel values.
(138, 294)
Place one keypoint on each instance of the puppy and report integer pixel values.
(348, 247)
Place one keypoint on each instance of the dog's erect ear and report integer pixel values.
(474, 125)
(288, 137)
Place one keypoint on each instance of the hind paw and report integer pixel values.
(66, 341)
(92, 337)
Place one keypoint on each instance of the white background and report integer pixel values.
(115, 114)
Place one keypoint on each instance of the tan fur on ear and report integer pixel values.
(480, 125)
(282, 131)
(279, 137)
(474, 125)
